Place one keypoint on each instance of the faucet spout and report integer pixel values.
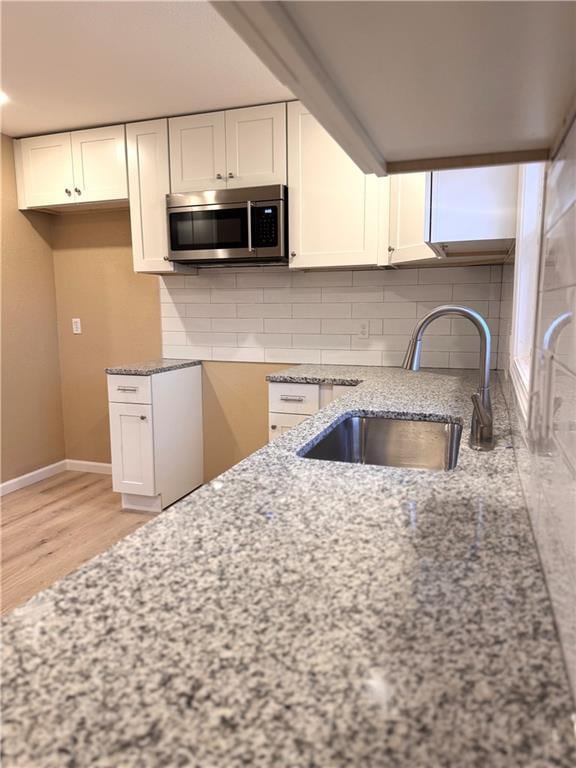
(481, 436)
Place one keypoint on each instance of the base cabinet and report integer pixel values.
(156, 437)
(291, 404)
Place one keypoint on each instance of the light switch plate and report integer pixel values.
(76, 325)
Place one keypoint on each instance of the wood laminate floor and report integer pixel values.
(52, 527)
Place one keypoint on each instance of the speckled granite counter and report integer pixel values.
(299, 613)
(150, 367)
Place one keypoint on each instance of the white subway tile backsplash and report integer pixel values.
(321, 279)
(350, 357)
(319, 341)
(212, 339)
(292, 295)
(292, 356)
(264, 340)
(356, 293)
(257, 314)
(238, 355)
(213, 310)
(265, 310)
(231, 325)
(381, 309)
(321, 310)
(301, 325)
(431, 292)
(238, 296)
(385, 277)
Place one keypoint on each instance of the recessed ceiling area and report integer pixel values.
(398, 82)
(68, 65)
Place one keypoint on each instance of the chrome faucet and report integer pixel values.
(481, 432)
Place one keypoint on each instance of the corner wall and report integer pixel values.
(32, 428)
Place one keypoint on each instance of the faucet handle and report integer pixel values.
(482, 413)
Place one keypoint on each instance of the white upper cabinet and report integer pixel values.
(149, 182)
(198, 152)
(473, 210)
(222, 150)
(78, 167)
(256, 146)
(99, 162)
(333, 205)
(44, 170)
(409, 212)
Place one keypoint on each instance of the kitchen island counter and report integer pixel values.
(297, 612)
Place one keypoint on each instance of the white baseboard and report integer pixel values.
(32, 477)
(77, 465)
(72, 465)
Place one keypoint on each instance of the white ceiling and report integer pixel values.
(75, 64)
(405, 81)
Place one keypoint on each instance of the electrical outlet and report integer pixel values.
(363, 332)
(76, 325)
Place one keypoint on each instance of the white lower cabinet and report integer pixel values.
(291, 404)
(157, 445)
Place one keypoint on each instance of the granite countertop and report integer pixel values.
(149, 367)
(301, 613)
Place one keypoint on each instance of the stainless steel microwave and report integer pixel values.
(234, 226)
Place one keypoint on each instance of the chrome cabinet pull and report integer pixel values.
(78, 191)
(127, 389)
(68, 191)
(293, 398)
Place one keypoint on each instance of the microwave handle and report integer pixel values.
(249, 208)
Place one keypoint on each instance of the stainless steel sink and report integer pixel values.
(390, 442)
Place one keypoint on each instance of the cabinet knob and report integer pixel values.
(142, 418)
(292, 254)
(68, 191)
(272, 426)
(78, 191)
(230, 175)
(218, 175)
(390, 249)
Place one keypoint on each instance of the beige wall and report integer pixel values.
(235, 397)
(32, 431)
(120, 314)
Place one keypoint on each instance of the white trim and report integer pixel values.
(520, 386)
(77, 465)
(32, 477)
(71, 465)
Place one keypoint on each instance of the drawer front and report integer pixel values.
(279, 423)
(294, 398)
(130, 389)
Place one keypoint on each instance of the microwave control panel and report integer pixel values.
(265, 226)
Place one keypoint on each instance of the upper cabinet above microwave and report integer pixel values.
(223, 150)
(67, 168)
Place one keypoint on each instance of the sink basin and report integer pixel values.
(390, 442)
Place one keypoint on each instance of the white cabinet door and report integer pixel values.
(256, 146)
(474, 204)
(197, 152)
(99, 159)
(279, 423)
(333, 205)
(149, 182)
(409, 217)
(132, 443)
(44, 170)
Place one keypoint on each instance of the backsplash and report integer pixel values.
(273, 314)
(550, 483)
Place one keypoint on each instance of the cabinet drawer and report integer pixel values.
(130, 389)
(279, 423)
(294, 398)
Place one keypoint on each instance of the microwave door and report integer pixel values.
(209, 232)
